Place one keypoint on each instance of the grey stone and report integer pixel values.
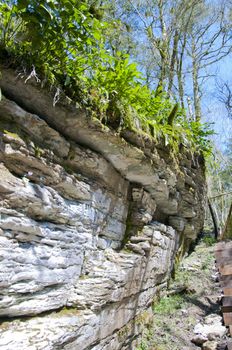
(210, 345)
(177, 222)
(65, 190)
(212, 330)
(135, 248)
(34, 126)
(199, 339)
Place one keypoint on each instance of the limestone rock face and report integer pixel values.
(90, 222)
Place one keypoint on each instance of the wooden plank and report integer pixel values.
(223, 261)
(226, 281)
(227, 317)
(227, 291)
(225, 258)
(227, 301)
(223, 253)
(222, 246)
(227, 304)
(219, 246)
(229, 343)
(225, 270)
(226, 309)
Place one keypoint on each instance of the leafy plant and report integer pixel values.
(209, 240)
(65, 42)
(142, 346)
(169, 304)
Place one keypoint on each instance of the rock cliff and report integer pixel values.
(90, 223)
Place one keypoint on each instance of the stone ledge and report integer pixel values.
(130, 161)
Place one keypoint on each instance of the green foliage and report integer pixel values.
(207, 263)
(65, 42)
(143, 346)
(209, 240)
(61, 38)
(169, 304)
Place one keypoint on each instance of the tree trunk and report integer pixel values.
(227, 233)
(216, 230)
(180, 89)
(196, 88)
(163, 45)
(173, 63)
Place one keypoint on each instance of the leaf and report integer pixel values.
(149, 32)
(23, 4)
(96, 35)
(44, 12)
(67, 80)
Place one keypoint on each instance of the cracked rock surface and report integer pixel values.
(90, 222)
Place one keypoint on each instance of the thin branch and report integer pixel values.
(221, 195)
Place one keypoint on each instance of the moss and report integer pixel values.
(71, 153)
(143, 318)
(11, 134)
(66, 311)
(97, 122)
(126, 251)
(173, 114)
(123, 332)
(68, 169)
(83, 277)
(38, 152)
(13, 130)
(128, 232)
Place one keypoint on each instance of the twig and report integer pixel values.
(220, 195)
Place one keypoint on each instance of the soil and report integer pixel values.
(193, 295)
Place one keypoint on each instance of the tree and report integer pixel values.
(180, 42)
(219, 185)
(224, 95)
(209, 41)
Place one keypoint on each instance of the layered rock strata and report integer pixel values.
(90, 222)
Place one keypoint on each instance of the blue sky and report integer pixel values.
(213, 110)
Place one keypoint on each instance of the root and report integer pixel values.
(33, 74)
(56, 96)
